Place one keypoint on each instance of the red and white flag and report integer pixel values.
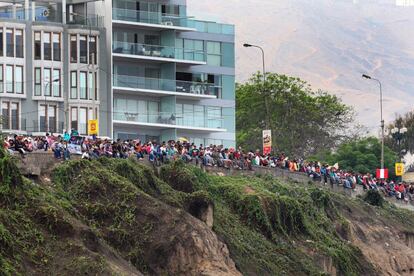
(382, 173)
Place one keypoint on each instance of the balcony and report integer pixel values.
(158, 53)
(148, 19)
(167, 120)
(183, 89)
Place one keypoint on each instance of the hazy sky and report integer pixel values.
(328, 43)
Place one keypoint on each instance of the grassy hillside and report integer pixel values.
(116, 217)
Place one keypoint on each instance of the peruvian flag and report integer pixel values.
(382, 173)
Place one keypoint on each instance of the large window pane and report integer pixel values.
(47, 73)
(9, 79)
(14, 116)
(38, 82)
(73, 85)
(56, 83)
(83, 85)
(19, 43)
(37, 45)
(56, 47)
(10, 42)
(73, 49)
(47, 46)
(83, 49)
(5, 112)
(18, 79)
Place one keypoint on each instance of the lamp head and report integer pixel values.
(366, 76)
(247, 45)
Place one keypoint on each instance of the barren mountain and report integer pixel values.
(328, 43)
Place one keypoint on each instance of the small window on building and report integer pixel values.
(18, 80)
(10, 42)
(47, 46)
(83, 93)
(1, 79)
(47, 74)
(56, 83)
(56, 47)
(19, 43)
(73, 49)
(73, 85)
(37, 46)
(38, 82)
(213, 53)
(9, 79)
(74, 118)
(1, 42)
(15, 116)
(5, 112)
(83, 49)
(92, 50)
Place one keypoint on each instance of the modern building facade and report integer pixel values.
(145, 70)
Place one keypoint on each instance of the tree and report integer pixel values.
(302, 121)
(361, 156)
(407, 121)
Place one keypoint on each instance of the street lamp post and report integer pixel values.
(382, 120)
(247, 45)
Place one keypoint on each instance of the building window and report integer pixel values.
(19, 43)
(1, 42)
(83, 86)
(47, 46)
(83, 49)
(47, 76)
(37, 46)
(14, 116)
(213, 53)
(18, 71)
(5, 112)
(56, 83)
(73, 85)
(47, 118)
(74, 118)
(52, 122)
(92, 50)
(83, 120)
(56, 47)
(9, 79)
(10, 42)
(96, 86)
(91, 85)
(73, 49)
(1, 79)
(38, 82)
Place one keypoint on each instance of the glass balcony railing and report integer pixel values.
(121, 47)
(42, 14)
(149, 17)
(190, 87)
(196, 120)
(172, 20)
(211, 27)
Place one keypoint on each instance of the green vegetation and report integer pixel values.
(303, 121)
(362, 156)
(94, 210)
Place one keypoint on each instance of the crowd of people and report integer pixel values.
(92, 147)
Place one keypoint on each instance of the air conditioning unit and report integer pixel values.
(168, 23)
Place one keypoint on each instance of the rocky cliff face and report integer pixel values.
(116, 217)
